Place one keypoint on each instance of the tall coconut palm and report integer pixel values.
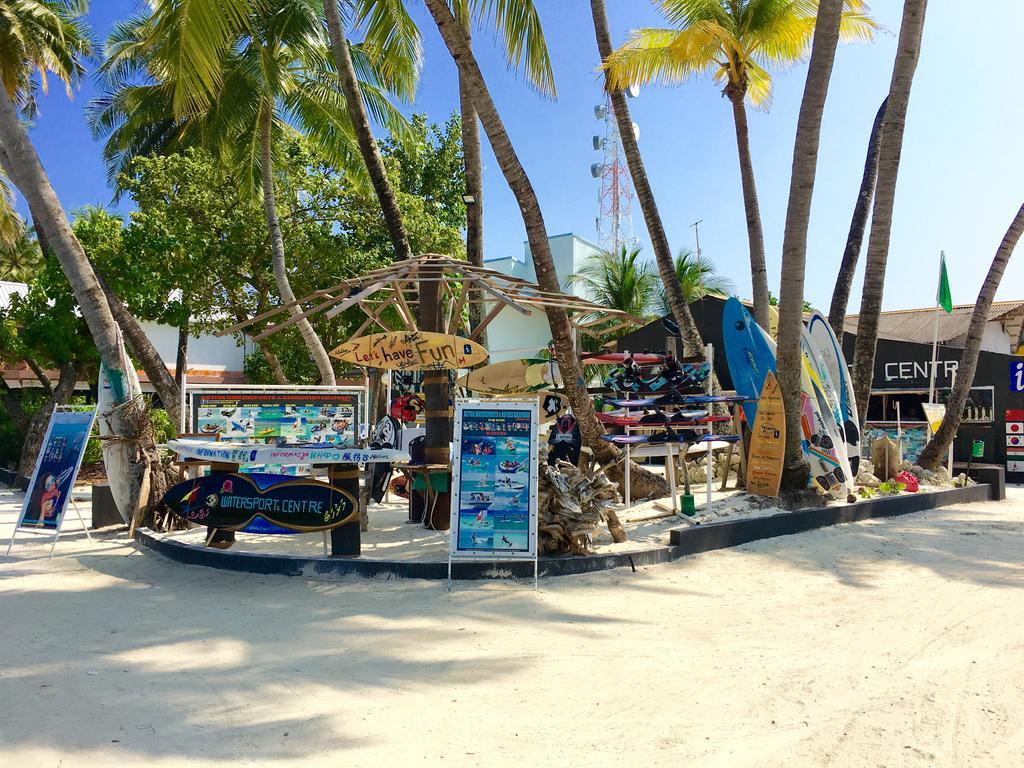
(11, 225)
(675, 297)
(619, 281)
(49, 38)
(735, 41)
(276, 80)
(533, 218)
(890, 149)
(937, 447)
(794, 244)
(858, 225)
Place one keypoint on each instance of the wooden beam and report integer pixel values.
(351, 301)
(478, 331)
(455, 313)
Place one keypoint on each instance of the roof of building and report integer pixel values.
(19, 375)
(918, 325)
(8, 289)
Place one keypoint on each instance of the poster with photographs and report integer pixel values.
(293, 416)
(494, 490)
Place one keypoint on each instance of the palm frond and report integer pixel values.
(518, 25)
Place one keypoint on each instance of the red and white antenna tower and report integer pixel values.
(616, 195)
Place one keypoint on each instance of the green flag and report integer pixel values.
(944, 298)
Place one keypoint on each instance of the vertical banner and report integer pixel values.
(60, 456)
(494, 480)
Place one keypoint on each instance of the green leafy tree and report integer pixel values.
(697, 278)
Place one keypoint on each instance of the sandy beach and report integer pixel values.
(895, 642)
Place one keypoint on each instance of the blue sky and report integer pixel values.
(960, 181)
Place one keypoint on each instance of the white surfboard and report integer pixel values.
(832, 355)
(117, 454)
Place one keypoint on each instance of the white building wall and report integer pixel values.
(512, 335)
(206, 352)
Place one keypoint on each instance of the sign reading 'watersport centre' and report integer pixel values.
(261, 503)
(494, 490)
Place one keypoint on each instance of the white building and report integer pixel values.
(211, 359)
(512, 335)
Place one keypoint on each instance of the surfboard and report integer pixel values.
(750, 354)
(640, 358)
(544, 375)
(411, 351)
(766, 457)
(827, 398)
(117, 454)
(669, 437)
(261, 503)
(832, 354)
(505, 378)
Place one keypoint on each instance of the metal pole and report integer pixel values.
(935, 339)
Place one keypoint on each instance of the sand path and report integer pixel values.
(896, 642)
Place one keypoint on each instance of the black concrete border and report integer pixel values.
(682, 542)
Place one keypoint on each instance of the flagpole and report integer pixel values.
(935, 338)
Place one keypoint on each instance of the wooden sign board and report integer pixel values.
(411, 351)
(768, 441)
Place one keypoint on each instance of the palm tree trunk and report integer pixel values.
(755, 236)
(21, 162)
(547, 278)
(315, 346)
(274, 364)
(473, 168)
(364, 134)
(890, 149)
(937, 447)
(181, 354)
(692, 341)
(794, 245)
(858, 225)
(138, 343)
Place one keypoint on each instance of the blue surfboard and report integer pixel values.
(748, 352)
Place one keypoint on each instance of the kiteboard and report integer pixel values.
(565, 441)
(411, 351)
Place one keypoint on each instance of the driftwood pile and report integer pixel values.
(572, 506)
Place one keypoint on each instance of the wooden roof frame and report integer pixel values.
(396, 285)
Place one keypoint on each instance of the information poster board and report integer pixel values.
(60, 457)
(494, 480)
(295, 415)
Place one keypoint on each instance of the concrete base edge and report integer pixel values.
(682, 542)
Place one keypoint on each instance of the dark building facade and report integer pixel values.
(993, 415)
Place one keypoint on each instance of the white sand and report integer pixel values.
(894, 642)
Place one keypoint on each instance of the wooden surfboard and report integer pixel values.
(411, 351)
(768, 442)
(504, 378)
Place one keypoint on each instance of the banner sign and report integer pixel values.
(272, 415)
(259, 503)
(60, 457)
(494, 482)
(297, 453)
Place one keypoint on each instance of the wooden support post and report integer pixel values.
(345, 539)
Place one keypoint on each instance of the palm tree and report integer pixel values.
(275, 80)
(794, 244)
(533, 218)
(49, 37)
(619, 281)
(674, 296)
(735, 41)
(390, 32)
(858, 225)
(890, 149)
(697, 278)
(11, 225)
(937, 447)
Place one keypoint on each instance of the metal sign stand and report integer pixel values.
(71, 487)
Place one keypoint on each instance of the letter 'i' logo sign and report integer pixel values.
(1017, 377)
